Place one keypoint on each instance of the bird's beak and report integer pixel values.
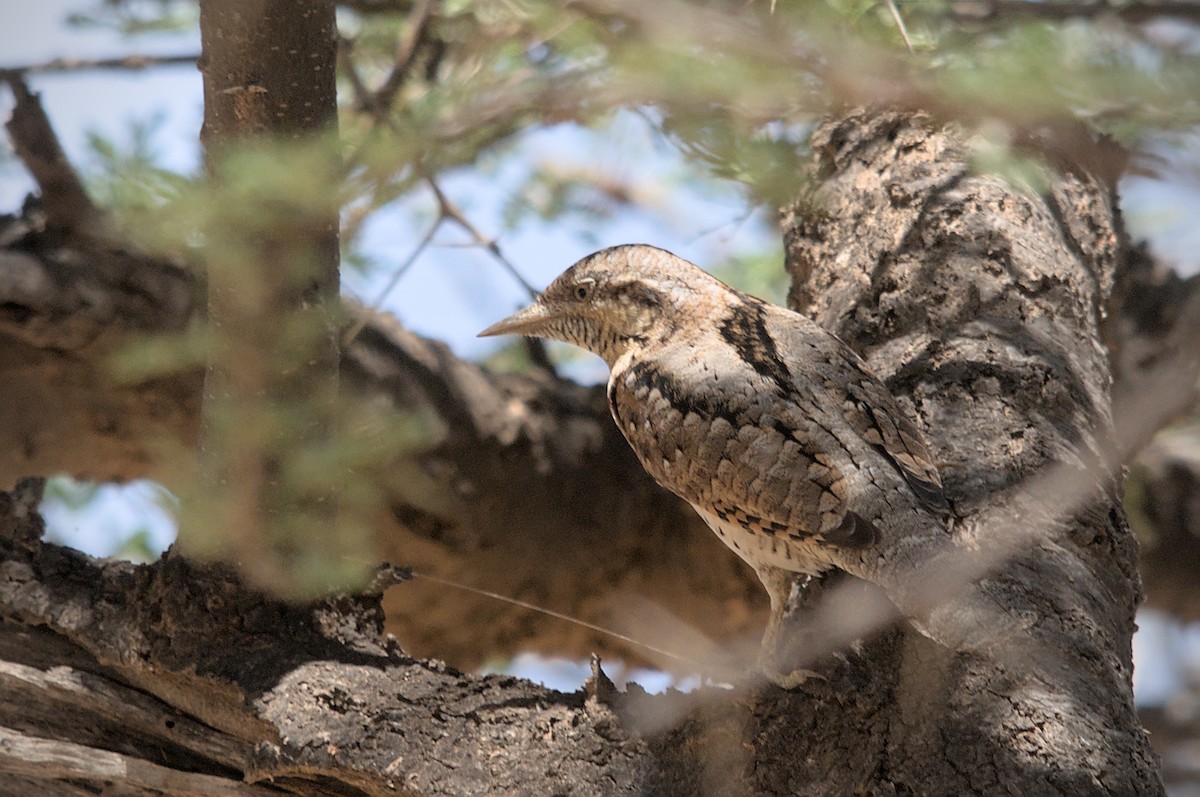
(531, 320)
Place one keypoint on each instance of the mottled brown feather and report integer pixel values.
(770, 426)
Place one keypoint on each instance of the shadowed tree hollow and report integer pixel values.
(976, 259)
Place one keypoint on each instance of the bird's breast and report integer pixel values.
(758, 547)
(679, 431)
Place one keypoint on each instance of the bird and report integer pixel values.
(775, 431)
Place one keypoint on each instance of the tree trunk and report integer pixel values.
(270, 69)
(979, 304)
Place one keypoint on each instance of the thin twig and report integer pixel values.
(406, 56)
(357, 86)
(452, 212)
(891, 4)
(564, 617)
(125, 62)
(376, 104)
(407, 264)
(535, 347)
(400, 271)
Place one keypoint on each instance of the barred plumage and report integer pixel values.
(770, 426)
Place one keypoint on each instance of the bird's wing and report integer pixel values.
(872, 411)
(753, 427)
(794, 493)
(711, 433)
(869, 408)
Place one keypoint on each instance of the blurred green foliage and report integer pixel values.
(133, 17)
(69, 493)
(137, 547)
(127, 177)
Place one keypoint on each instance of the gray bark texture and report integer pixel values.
(980, 305)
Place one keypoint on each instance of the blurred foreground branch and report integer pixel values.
(1132, 12)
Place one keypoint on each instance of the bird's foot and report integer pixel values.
(788, 679)
(778, 662)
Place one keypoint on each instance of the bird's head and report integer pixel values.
(611, 300)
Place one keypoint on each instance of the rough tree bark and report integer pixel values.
(981, 305)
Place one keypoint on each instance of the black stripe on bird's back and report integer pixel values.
(745, 329)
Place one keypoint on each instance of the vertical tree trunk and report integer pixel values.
(981, 305)
(270, 390)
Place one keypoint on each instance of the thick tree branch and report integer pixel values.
(68, 207)
(176, 678)
(981, 306)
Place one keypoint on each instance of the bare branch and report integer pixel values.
(67, 204)
(399, 272)
(406, 54)
(452, 212)
(358, 86)
(130, 63)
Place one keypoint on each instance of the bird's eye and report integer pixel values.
(583, 290)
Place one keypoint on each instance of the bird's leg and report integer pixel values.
(782, 644)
